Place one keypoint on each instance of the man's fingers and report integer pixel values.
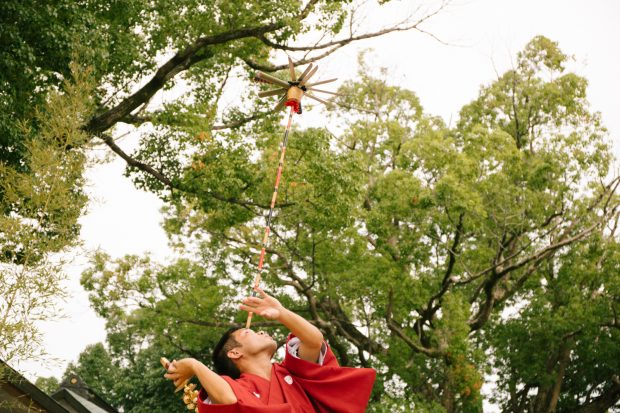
(261, 292)
(180, 384)
(171, 376)
(252, 300)
(247, 308)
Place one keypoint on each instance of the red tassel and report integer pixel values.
(294, 104)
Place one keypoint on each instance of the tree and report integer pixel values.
(561, 352)
(49, 385)
(96, 368)
(49, 121)
(41, 199)
(405, 241)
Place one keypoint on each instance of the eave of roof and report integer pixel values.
(11, 376)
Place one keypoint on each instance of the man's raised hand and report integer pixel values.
(265, 306)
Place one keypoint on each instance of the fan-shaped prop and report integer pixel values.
(293, 90)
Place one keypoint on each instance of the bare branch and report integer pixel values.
(242, 121)
(493, 297)
(401, 27)
(605, 195)
(171, 185)
(274, 68)
(135, 163)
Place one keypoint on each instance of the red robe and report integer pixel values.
(299, 386)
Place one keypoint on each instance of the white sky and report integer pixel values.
(123, 220)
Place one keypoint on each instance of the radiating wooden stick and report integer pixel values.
(303, 75)
(312, 72)
(271, 79)
(280, 103)
(321, 82)
(291, 69)
(318, 99)
(270, 92)
(325, 91)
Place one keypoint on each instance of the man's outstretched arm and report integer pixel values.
(219, 391)
(311, 337)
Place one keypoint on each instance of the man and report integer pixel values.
(309, 380)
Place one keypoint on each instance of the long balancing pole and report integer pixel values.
(271, 207)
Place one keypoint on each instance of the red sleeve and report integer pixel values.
(246, 403)
(333, 389)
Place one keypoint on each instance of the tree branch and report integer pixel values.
(607, 192)
(181, 61)
(336, 44)
(352, 38)
(151, 117)
(493, 297)
(171, 185)
(396, 329)
(348, 329)
(274, 68)
(606, 400)
(242, 121)
(432, 306)
(135, 163)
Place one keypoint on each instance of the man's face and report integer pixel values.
(253, 342)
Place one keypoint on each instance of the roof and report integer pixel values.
(73, 394)
(12, 377)
(81, 397)
(79, 403)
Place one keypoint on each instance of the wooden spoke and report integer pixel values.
(303, 75)
(280, 103)
(271, 79)
(325, 91)
(312, 72)
(318, 99)
(270, 92)
(321, 82)
(291, 68)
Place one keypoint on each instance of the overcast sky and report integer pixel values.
(123, 220)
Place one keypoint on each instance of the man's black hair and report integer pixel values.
(224, 366)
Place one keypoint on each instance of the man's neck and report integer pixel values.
(259, 365)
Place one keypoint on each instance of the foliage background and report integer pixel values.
(220, 221)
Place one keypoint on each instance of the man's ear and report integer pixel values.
(234, 354)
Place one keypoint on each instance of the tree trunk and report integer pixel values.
(559, 377)
(447, 396)
(547, 398)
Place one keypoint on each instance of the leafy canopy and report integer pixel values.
(436, 255)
